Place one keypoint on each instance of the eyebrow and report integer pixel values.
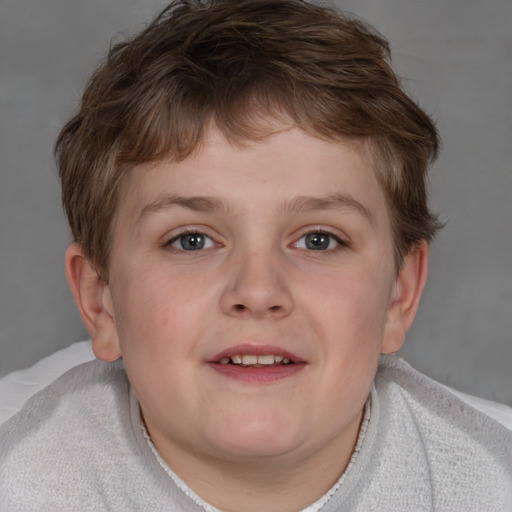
(330, 202)
(198, 204)
(298, 204)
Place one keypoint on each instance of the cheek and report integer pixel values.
(165, 317)
(352, 304)
(156, 308)
(348, 317)
(158, 329)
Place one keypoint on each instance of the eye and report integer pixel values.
(193, 241)
(318, 241)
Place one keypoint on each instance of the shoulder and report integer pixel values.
(18, 386)
(73, 424)
(467, 453)
(92, 384)
(395, 373)
(431, 403)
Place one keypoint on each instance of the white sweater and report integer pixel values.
(78, 445)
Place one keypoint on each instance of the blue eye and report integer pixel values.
(192, 242)
(318, 241)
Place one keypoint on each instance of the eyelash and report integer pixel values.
(341, 244)
(174, 239)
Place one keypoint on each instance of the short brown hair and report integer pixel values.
(237, 63)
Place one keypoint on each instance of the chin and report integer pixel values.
(259, 438)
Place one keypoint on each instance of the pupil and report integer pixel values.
(317, 241)
(192, 242)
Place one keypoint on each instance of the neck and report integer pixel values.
(288, 483)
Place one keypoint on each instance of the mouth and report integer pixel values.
(263, 361)
(257, 364)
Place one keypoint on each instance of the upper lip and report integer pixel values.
(257, 350)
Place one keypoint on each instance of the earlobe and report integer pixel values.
(409, 286)
(94, 302)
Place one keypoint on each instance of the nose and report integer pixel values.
(257, 288)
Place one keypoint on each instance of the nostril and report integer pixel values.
(239, 307)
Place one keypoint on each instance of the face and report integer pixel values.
(251, 291)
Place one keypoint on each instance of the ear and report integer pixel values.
(408, 289)
(92, 296)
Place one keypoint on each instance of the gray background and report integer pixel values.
(455, 58)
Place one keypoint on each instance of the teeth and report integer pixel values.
(253, 360)
(265, 359)
(249, 359)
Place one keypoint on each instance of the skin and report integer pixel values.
(252, 444)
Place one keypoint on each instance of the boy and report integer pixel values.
(245, 185)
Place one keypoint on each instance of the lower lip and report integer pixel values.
(260, 375)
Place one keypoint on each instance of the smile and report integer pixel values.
(255, 361)
(257, 364)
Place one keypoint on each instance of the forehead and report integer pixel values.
(281, 170)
